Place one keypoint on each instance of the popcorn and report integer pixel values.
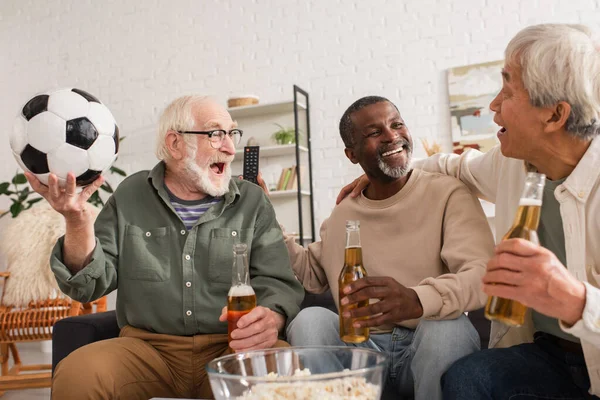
(351, 388)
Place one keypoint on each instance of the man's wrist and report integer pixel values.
(417, 307)
(279, 321)
(79, 221)
(575, 299)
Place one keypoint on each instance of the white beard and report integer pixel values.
(394, 172)
(200, 178)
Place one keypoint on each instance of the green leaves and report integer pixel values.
(117, 171)
(33, 201)
(19, 179)
(4, 188)
(16, 208)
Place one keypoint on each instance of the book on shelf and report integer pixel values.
(287, 179)
(293, 181)
(281, 179)
(284, 179)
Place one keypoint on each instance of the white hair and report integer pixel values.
(561, 62)
(178, 116)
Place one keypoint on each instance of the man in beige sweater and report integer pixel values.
(425, 245)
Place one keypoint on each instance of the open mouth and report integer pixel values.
(217, 168)
(501, 132)
(394, 152)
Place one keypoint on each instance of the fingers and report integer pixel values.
(372, 322)
(366, 282)
(223, 316)
(54, 189)
(36, 185)
(346, 190)
(519, 247)
(256, 314)
(372, 292)
(254, 329)
(372, 309)
(363, 182)
(504, 291)
(255, 343)
(262, 184)
(503, 277)
(254, 333)
(508, 261)
(90, 189)
(71, 186)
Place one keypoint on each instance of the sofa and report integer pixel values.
(71, 333)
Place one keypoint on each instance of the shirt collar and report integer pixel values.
(583, 178)
(585, 175)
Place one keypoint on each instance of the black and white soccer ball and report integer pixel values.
(67, 130)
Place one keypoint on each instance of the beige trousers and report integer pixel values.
(140, 365)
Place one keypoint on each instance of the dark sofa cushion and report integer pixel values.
(71, 333)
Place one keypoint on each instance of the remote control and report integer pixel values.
(251, 163)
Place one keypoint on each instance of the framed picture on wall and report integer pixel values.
(471, 88)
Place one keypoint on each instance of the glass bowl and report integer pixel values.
(299, 373)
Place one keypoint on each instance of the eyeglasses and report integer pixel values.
(216, 137)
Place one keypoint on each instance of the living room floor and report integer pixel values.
(30, 353)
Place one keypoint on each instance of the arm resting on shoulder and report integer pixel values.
(479, 171)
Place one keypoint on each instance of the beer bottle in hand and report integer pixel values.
(241, 298)
(512, 312)
(352, 270)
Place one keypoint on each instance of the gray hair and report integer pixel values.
(346, 124)
(177, 116)
(561, 62)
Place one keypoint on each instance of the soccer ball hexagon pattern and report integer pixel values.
(67, 130)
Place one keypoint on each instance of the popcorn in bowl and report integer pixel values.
(354, 388)
(315, 372)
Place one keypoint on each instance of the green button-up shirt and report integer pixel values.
(174, 281)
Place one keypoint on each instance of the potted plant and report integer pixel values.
(23, 197)
(20, 196)
(284, 135)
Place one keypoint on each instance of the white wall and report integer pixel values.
(138, 55)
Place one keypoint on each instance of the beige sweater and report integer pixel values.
(431, 236)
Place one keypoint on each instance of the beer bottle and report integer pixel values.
(353, 270)
(241, 298)
(525, 226)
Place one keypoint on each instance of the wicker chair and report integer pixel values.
(31, 302)
(31, 324)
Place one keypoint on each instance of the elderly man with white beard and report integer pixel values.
(164, 239)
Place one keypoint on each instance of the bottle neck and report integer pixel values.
(352, 238)
(528, 216)
(353, 253)
(240, 273)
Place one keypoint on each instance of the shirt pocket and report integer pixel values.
(145, 254)
(220, 252)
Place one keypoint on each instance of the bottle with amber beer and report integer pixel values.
(352, 270)
(241, 298)
(526, 223)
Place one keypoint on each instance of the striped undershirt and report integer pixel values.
(191, 210)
